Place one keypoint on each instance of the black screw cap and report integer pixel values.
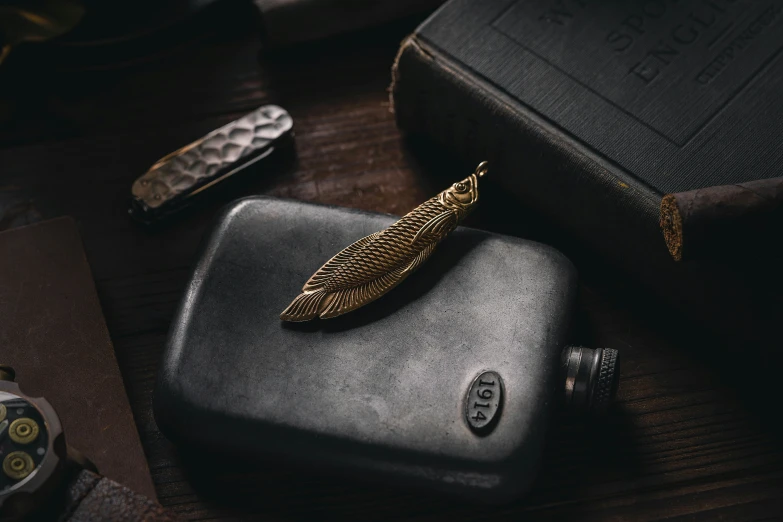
(591, 378)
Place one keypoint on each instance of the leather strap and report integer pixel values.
(91, 497)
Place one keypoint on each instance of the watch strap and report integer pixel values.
(92, 497)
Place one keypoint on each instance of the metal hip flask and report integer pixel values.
(447, 383)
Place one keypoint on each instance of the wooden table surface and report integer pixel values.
(694, 435)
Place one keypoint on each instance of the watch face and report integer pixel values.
(24, 440)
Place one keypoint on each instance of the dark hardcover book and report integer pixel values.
(590, 112)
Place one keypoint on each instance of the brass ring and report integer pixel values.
(482, 169)
(3, 412)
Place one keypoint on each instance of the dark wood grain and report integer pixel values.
(695, 434)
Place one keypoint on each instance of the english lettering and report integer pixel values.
(619, 41)
(645, 71)
(684, 35)
(556, 16)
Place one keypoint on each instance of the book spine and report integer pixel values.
(597, 202)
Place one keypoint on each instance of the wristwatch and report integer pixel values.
(44, 479)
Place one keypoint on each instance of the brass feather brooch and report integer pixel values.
(370, 267)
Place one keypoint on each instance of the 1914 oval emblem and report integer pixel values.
(484, 402)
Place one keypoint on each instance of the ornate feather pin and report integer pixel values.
(367, 269)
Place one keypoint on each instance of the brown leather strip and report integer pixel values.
(54, 336)
(92, 498)
(81, 486)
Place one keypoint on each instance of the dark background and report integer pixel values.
(695, 433)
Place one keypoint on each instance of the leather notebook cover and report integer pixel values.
(53, 333)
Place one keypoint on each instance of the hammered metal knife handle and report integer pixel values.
(174, 179)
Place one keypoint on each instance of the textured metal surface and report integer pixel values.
(380, 391)
(606, 382)
(210, 159)
(372, 266)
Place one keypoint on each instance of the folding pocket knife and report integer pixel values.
(178, 179)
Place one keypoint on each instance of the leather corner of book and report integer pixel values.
(410, 44)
